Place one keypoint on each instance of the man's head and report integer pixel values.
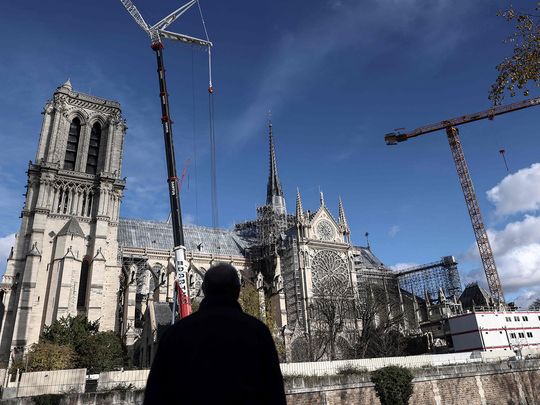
(221, 281)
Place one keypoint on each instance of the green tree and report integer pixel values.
(393, 385)
(94, 350)
(50, 356)
(523, 66)
(249, 301)
(101, 352)
(69, 330)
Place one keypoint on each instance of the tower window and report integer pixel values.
(72, 144)
(83, 284)
(93, 149)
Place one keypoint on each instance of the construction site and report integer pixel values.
(325, 298)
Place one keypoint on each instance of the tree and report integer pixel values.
(380, 317)
(94, 350)
(516, 71)
(535, 306)
(103, 351)
(332, 309)
(250, 303)
(50, 356)
(393, 385)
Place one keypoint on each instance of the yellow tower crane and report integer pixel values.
(484, 247)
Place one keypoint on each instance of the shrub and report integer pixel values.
(47, 399)
(49, 356)
(351, 370)
(393, 385)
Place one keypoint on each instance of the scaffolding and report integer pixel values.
(428, 279)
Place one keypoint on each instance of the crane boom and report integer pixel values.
(134, 11)
(394, 137)
(480, 233)
(156, 32)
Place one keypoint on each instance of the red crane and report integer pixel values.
(484, 247)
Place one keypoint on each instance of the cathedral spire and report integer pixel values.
(274, 192)
(342, 218)
(321, 198)
(299, 208)
(274, 185)
(67, 85)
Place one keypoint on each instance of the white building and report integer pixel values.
(495, 330)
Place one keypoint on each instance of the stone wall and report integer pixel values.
(510, 382)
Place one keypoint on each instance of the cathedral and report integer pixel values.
(74, 254)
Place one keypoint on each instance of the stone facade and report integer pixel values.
(67, 239)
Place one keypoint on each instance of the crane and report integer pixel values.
(157, 32)
(484, 247)
(183, 176)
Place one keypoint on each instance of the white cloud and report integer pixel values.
(518, 192)
(393, 231)
(527, 296)
(516, 248)
(402, 266)
(6, 242)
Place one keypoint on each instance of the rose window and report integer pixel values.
(330, 273)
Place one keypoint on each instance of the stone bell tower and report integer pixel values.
(64, 261)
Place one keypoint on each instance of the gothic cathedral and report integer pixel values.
(74, 255)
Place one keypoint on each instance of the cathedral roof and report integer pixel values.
(140, 233)
(72, 227)
(364, 258)
(474, 295)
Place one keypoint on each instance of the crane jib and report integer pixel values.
(395, 137)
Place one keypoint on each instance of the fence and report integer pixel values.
(76, 381)
(425, 360)
(128, 379)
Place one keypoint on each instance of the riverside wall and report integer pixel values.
(508, 382)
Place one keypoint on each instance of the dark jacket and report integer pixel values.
(218, 355)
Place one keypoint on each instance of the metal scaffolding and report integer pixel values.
(430, 278)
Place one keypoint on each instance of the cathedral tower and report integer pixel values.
(64, 261)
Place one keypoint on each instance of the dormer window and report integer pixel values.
(93, 149)
(72, 144)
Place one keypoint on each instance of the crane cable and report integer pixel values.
(194, 136)
(215, 215)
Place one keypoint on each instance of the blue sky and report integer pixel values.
(336, 74)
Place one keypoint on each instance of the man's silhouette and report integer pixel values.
(217, 355)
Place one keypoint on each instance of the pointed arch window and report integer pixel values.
(83, 284)
(72, 144)
(93, 149)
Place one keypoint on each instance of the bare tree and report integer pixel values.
(331, 312)
(380, 320)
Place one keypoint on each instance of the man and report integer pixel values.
(217, 355)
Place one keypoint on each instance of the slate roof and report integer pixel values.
(366, 258)
(474, 295)
(139, 233)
